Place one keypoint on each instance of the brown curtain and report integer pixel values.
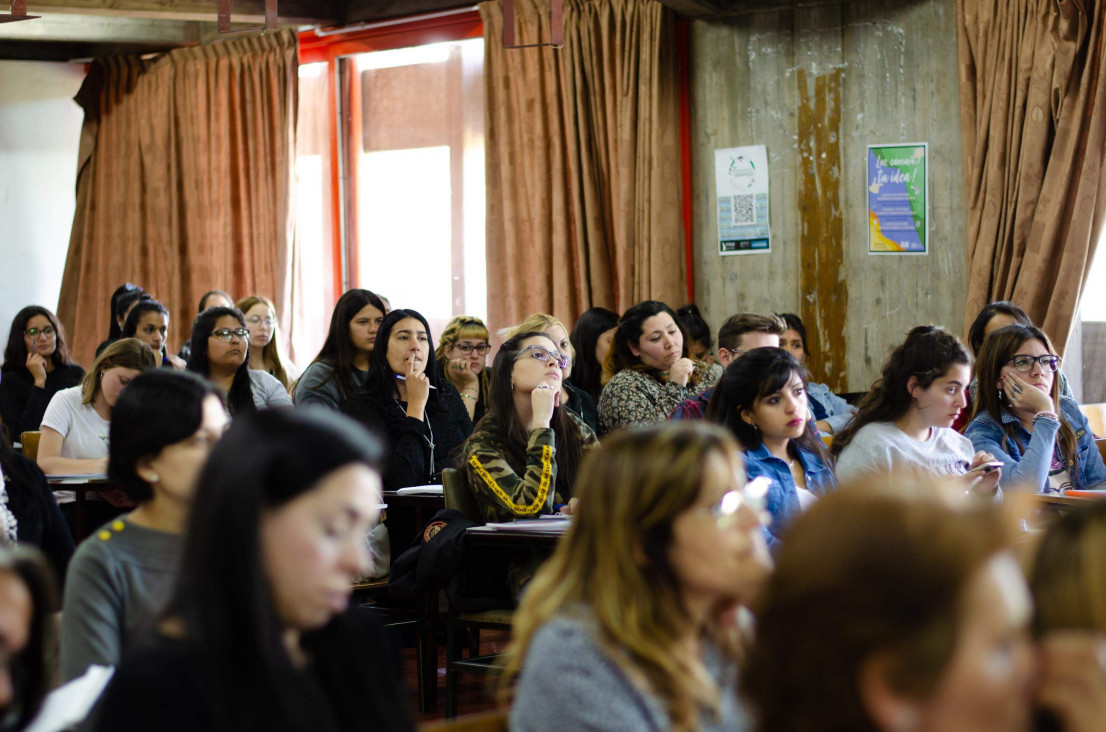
(184, 182)
(583, 160)
(1033, 118)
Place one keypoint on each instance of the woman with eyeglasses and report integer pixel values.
(210, 299)
(462, 354)
(522, 459)
(632, 624)
(343, 362)
(148, 321)
(762, 399)
(574, 398)
(220, 353)
(36, 367)
(1042, 438)
(265, 346)
(406, 401)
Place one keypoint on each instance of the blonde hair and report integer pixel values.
(127, 353)
(272, 361)
(631, 491)
(540, 323)
(458, 329)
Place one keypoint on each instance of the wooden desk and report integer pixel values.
(82, 486)
(534, 540)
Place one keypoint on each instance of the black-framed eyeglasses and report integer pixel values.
(733, 351)
(543, 354)
(48, 331)
(227, 334)
(1024, 362)
(467, 348)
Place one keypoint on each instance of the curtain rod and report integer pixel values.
(393, 21)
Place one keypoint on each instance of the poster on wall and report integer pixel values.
(741, 185)
(898, 198)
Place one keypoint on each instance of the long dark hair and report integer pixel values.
(759, 373)
(158, 408)
(694, 325)
(29, 674)
(997, 350)
(795, 323)
(990, 310)
(338, 351)
(381, 380)
(15, 353)
(502, 420)
(927, 354)
(114, 331)
(587, 373)
(240, 396)
(209, 293)
(265, 460)
(629, 333)
(130, 327)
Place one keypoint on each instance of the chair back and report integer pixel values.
(1100, 443)
(495, 721)
(29, 441)
(1096, 417)
(458, 496)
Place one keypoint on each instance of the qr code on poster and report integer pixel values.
(743, 210)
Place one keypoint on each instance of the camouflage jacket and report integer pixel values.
(503, 494)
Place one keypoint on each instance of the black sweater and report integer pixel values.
(408, 439)
(22, 404)
(40, 521)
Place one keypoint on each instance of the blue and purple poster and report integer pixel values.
(898, 200)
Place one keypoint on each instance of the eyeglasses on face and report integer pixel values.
(48, 331)
(1023, 362)
(226, 334)
(752, 495)
(258, 320)
(467, 348)
(540, 353)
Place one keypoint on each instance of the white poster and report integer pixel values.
(741, 185)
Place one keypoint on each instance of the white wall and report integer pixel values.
(40, 128)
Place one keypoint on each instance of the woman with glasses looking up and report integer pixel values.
(406, 401)
(36, 367)
(521, 460)
(265, 346)
(462, 353)
(1041, 437)
(220, 353)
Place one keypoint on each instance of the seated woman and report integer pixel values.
(521, 461)
(631, 624)
(221, 354)
(123, 306)
(1041, 437)
(75, 427)
(269, 642)
(762, 399)
(265, 345)
(406, 400)
(29, 514)
(700, 340)
(830, 412)
(36, 367)
(28, 605)
(905, 422)
(210, 299)
(576, 399)
(591, 339)
(462, 353)
(148, 321)
(343, 362)
(891, 613)
(648, 369)
(164, 427)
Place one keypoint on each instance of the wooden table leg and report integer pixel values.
(80, 522)
(428, 648)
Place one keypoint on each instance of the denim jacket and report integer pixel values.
(1029, 468)
(838, 411)
(782, 501)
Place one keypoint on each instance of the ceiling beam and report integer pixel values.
(361, 11)
(98, 29)
(291, 12)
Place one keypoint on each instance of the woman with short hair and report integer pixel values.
(462, 354)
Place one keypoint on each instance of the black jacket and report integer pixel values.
(40, 521)
(22, 404)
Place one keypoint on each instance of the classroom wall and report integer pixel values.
(816, 86)
(40, 128)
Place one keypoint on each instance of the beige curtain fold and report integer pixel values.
(1033, 122)
(583, 160)
(184, 182)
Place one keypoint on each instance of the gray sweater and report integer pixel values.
(317, 387)
(118, 582)
(569, 682)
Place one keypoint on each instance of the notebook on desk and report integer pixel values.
(76, 478)
(429, 490)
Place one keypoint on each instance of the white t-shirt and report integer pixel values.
(881, 447)
(84, 433)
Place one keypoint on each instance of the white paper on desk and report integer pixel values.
(528, 525)
(76, 477)
(435, 490)
(68, 705)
